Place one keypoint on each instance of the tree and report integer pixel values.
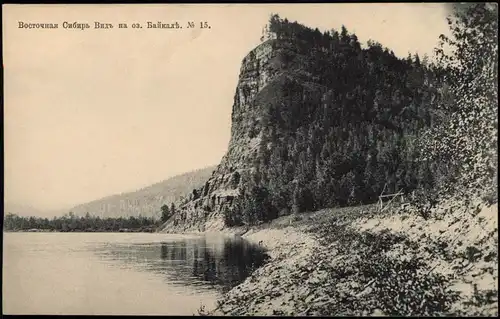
(417, 60)
(467, 136)
(195, 194)
(172, 209)
(344, 35)
(165, 213)
(275, 24)
(235, 179)
(354, 42)
(230, 218)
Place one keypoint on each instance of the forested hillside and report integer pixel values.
(338, 124)
(320, 121)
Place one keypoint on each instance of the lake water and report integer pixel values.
(120, 273)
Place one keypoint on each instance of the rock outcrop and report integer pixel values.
(203, 208)
(316, 122)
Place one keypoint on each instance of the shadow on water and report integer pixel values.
(200, 262)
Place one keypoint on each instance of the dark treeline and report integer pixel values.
(341, 133)
(88, 223)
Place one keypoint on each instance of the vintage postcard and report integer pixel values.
(251, 159)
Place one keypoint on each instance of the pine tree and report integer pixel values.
(344, 35)
(172, 209)
(165, 213)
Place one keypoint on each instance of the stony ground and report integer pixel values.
(355, 261)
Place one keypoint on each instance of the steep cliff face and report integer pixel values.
(264, 65)
(203, 208)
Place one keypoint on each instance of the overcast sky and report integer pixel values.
(97, 112)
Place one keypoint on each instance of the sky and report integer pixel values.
(91, 113)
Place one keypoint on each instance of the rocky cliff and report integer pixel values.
(317, 121)
(260, 67)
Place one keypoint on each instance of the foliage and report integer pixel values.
(165, 213)
(88, 223)
(397, 285)
(231, 218)
(465, 141)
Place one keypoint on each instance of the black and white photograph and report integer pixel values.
(301, 159)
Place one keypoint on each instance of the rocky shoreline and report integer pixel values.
(287, 247)
(355, 262)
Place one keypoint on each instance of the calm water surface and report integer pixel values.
(120, 273)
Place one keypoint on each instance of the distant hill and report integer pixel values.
(146, 201)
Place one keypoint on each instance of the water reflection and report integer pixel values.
(204, 263)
